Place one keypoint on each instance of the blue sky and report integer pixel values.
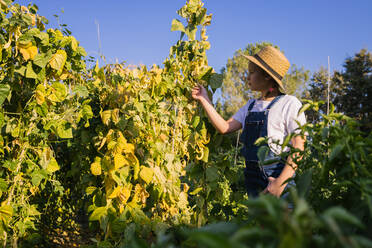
(138, 32)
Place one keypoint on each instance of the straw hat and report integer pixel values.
(273, 62)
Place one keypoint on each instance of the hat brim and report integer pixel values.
(258, 63)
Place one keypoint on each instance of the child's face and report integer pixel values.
(257, 80)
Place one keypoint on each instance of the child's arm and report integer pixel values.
(277, 185)
(200, 93)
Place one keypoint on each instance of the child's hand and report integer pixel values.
(199, 92)
(274, 187)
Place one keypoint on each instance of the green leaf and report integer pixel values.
(336, 150)
(4, 92)
(262, 153)
(197, 190)
(195, 121)
(52, 166)
(32, 210)
(30, 71)
(41, 60)
(33, 32)
(36, 177)
(98, 213)
(15, 132)
(260, 141)
(59, 92)
(65, 41)
(64, 130)
(191, 32)
(21, 70)
(81, 90)
(89, 190)
(1, 124)
(304, 182)
(177, 26)
(205, 155)
(3, 185)
(211, 174)
(41, 76)
(87, 112)
(216, 81)
(339, 213)
(80, 50)
(200, 17)
(287, 140)
(206, 239)
(304, 108)
(58, 60)
(206, 73)
(44, 38)
(10, 165)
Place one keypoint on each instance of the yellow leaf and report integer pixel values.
(102, 143)
(64, 75)
(6, 213)
(119, 161)
(106, 116)
(115, 115)
(163, 137)
(32, 51)
(115, 192)
(28, 53)
(74, 43)
(111, 145)
(136, 169)
(125, 193)
(95, 168)
(186, 187)
(52, 166)
(109, 184)
(33, 17)
(128, 148)
(96, 68)
(200, 154)
(132, 159)
(140, 194)
(146, 174)
(40, 94)
(121, 140)
(24, 45)
(24, 9)
(123, 145)
(57, 62)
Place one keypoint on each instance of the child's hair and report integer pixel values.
(272, 80)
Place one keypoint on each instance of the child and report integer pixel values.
(273, 115)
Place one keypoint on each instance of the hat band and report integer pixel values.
(268, 67)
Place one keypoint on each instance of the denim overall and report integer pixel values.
(256, 176)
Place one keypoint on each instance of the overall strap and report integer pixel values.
(273, 102)
(251, 105)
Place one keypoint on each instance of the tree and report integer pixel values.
(357, 88)
(235, 92)
(349, 90)
(316, 91)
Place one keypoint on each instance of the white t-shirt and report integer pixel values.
(281, 120)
